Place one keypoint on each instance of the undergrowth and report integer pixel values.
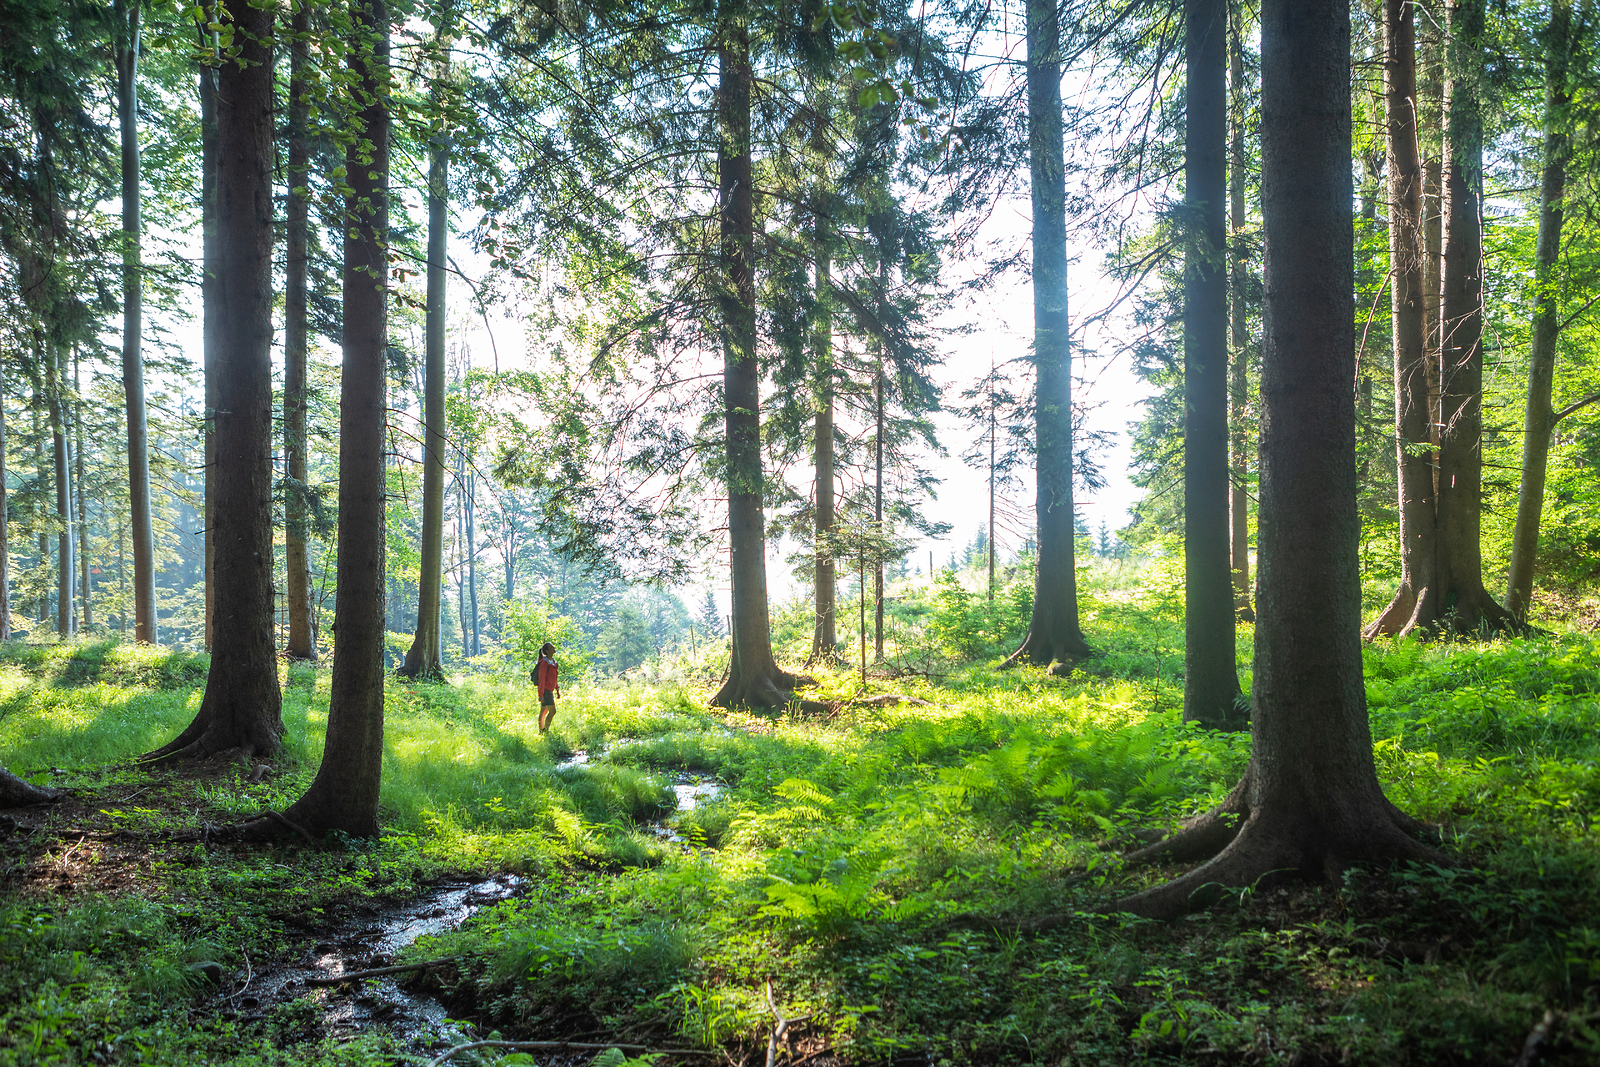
(926, 882)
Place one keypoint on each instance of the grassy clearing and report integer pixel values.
(882, 868)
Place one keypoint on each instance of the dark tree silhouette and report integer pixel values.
(240, 713)
(1309, 801)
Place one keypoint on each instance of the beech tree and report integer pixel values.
(344, 794)
(1309, 801)
(240, 713)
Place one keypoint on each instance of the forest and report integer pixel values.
(544, 532)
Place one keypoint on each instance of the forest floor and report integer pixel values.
(911, 884)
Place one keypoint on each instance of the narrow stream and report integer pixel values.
(420, 1022)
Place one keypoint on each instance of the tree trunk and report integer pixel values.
(825, 637)
(1211, 676)
(1415, 603)
(424, 660)
(344, 795)
(297, 524)
(1239, 380)
(65, 578)
(1465, 606)
(1054, 639)
(471, 491)
(5, 523)
(16, 793)
(127, 15)
(82, 495)
(1310, 801)
(877, 517)
(240, 713)
(993, 443)
(753, 675)
(1540, 420)
(211, 322)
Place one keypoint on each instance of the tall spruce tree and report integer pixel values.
(1310, 801)
(240, 714)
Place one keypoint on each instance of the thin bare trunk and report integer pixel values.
(65, 577)
(87, 608)
(127, 14)
(877, 518)
(1540, 419)
(1239, 381)
(5, 523)
(297, 523)
(825, 638)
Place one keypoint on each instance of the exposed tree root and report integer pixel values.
(1057, 655)
(1281, 839)
(1402, 616)
(1471, 612)
(18, 793)
(267, 826)
(772, 691)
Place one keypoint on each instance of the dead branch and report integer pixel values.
(379, 972)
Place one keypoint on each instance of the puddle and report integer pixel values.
(694, 790)
(418, 1021)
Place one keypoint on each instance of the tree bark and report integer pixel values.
(240, 712)
(470, 491)
(1239, 381)
(17, 793)
(1465, 606)
(344, 795)
(1540, 419)
(825, 636)
(1415, 601)
(1211, 676)
(424, 660)
(127, 14)
(66, 618)
(877, 516)
(754, 678)
(5, 523)
(81, 496)
(1310, 801)
(211, 324)
(297, 525)
(1055, 639)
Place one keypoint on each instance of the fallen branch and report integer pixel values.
(379, 972)
(779, 1030)
(557, 1046)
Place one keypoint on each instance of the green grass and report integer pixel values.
(879, 866)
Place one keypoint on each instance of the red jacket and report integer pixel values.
(545, 674)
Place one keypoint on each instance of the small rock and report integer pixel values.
(210, 968)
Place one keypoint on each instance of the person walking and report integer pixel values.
(547, 676)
